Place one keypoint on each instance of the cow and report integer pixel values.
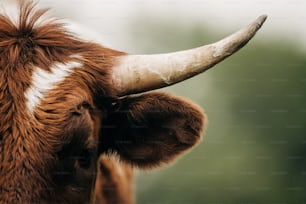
(65, 101)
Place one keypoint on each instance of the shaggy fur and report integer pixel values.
(151, 129)
(114, 182)
(49, 155)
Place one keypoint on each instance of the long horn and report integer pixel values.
(139, 73)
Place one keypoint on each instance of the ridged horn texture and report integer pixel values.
(139, 73)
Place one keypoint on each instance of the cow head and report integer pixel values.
(64, 101)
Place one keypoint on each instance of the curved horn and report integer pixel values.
(140, 73)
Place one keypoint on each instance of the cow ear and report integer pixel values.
(114, 181)
(151, 129)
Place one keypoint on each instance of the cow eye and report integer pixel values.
(86, 158)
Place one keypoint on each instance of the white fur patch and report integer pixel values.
(44, 81)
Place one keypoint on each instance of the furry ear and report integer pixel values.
(150, 129)
(114, 182)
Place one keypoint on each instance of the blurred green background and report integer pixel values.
(254, 150)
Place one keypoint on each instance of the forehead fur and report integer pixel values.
(38, 54)
(20, 10)
(29, 36)
(26, 31)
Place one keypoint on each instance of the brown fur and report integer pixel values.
(114, 182)
(50, 156)
(151, 129)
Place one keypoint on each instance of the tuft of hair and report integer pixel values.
(32, 32)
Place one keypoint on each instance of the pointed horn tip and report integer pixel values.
(259, 21)
(219, 51)
(262, 18)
